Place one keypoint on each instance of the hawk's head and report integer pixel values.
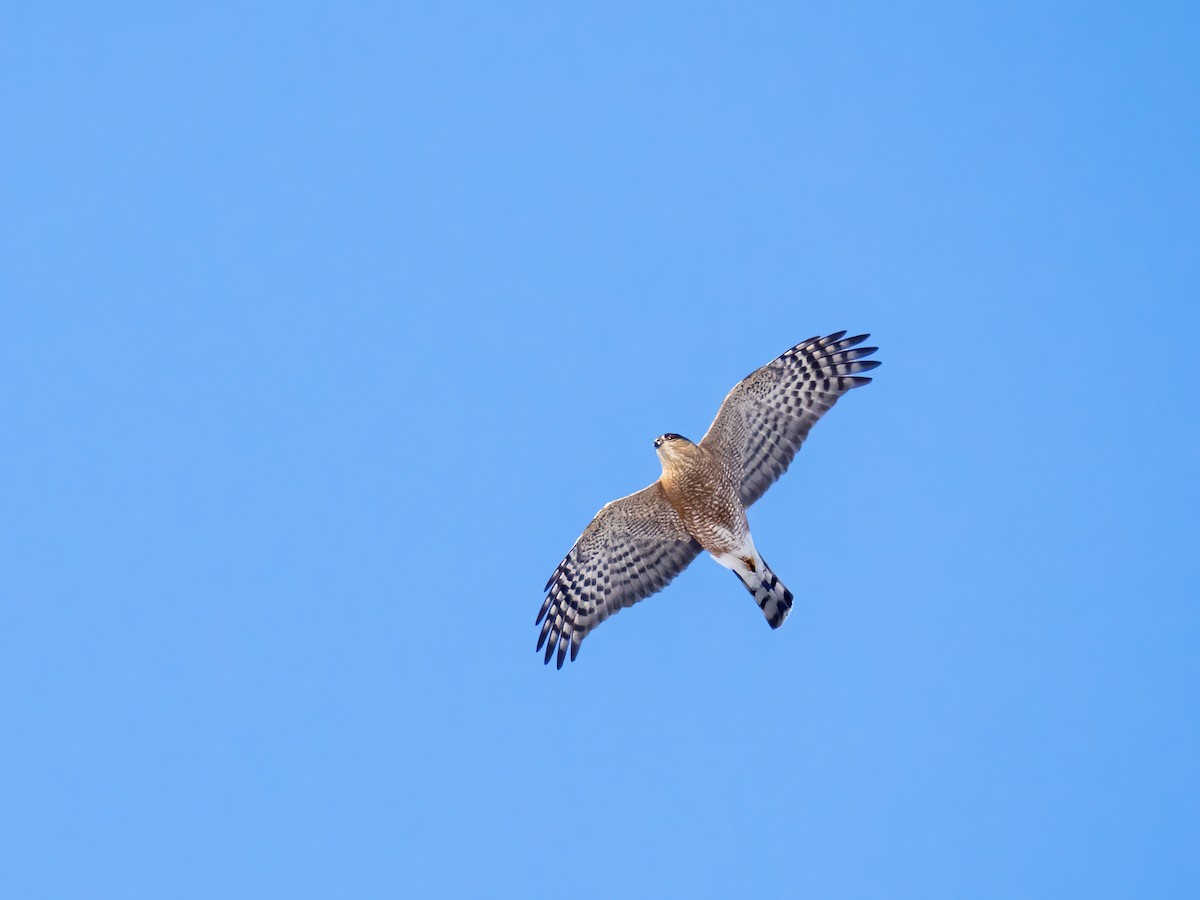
(671, 440)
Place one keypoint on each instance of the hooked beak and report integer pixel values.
(657, 443)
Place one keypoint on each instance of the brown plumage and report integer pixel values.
(700, 490)
(636, 545)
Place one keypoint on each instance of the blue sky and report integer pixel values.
(327, 330)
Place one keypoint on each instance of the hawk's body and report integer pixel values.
(636, 545)
(700, 490)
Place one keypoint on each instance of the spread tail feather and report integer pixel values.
(772, 597)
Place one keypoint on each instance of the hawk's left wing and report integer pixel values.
(768, 414)
(633, 548)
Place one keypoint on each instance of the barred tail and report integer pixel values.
(772, 597)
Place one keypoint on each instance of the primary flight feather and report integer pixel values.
(636, 545)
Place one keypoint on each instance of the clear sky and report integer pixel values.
(327, 329)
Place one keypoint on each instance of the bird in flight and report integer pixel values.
(636, 545)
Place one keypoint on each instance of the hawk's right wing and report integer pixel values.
(633, 548)
(766, 417)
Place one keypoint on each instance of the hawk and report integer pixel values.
(635, 546)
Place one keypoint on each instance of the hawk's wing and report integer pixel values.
(633, 548)
(766, 417)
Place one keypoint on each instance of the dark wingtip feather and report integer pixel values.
(830, 338)
(803, 345)
(866, 365)
(545, 608)
(857, 381)
(562, 651)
